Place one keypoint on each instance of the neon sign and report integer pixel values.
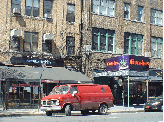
(131, 62)
(112, 63)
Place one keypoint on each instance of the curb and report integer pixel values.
(43, 114)
(127, 111)
(22, 114)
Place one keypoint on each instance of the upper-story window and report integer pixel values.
(47, 46)
(156, 17)
(15, 44)
(140, 13)
(70, 12)
(127, 10)
(16, 6)
(30, 41)
(156, 47)
(32, 8)
(103, 7)
(133, 43)
(102, 39)
(47, 8)
(70, 45)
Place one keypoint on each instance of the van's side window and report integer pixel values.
(102, 89)
(73, 88)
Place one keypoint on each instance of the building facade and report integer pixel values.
(82, 33)
(124, 27)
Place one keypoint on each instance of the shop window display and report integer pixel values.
(21, 95)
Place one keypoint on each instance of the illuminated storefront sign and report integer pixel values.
(127, 62)
(34, 61)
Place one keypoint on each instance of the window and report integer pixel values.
(15, 44)
(156, 47)
(127, 10)
(70, 13)
(16, 4)
(32, 8)
(140, 13)
(47, 46)
(102, 89)
(133, 44)
(156, 17)
(47, 8)
(102, 39)
(30, 41)
(104, 7)
(70, 45)
(73, 88)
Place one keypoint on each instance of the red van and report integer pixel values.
(83, 97)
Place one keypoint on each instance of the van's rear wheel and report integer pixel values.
(103, 109)
(68, 110)
(48, 113)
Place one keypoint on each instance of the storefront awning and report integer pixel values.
(32, 74)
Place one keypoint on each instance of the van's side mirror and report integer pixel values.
(74, 92)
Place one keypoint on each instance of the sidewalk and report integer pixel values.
(34, 112)
(125, 109)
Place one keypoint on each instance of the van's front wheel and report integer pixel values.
(68, 110)
(48, 113)
(103, 109)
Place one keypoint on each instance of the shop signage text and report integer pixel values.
(127, 62)
(133, 62)
(34, 61)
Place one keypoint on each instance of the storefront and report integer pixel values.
(128, 76)
(20, 86)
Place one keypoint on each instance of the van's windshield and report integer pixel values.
(59, 90)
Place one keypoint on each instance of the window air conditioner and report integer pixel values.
(48, 36)
(48, 16)
(16, 11)
(16, 33)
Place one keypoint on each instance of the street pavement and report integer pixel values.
(35, 112)
(111, 117)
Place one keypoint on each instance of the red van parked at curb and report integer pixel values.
(83, 97)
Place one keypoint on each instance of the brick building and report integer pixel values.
(61, 29)
(120, 27)
(40, 28)
(132, 27)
